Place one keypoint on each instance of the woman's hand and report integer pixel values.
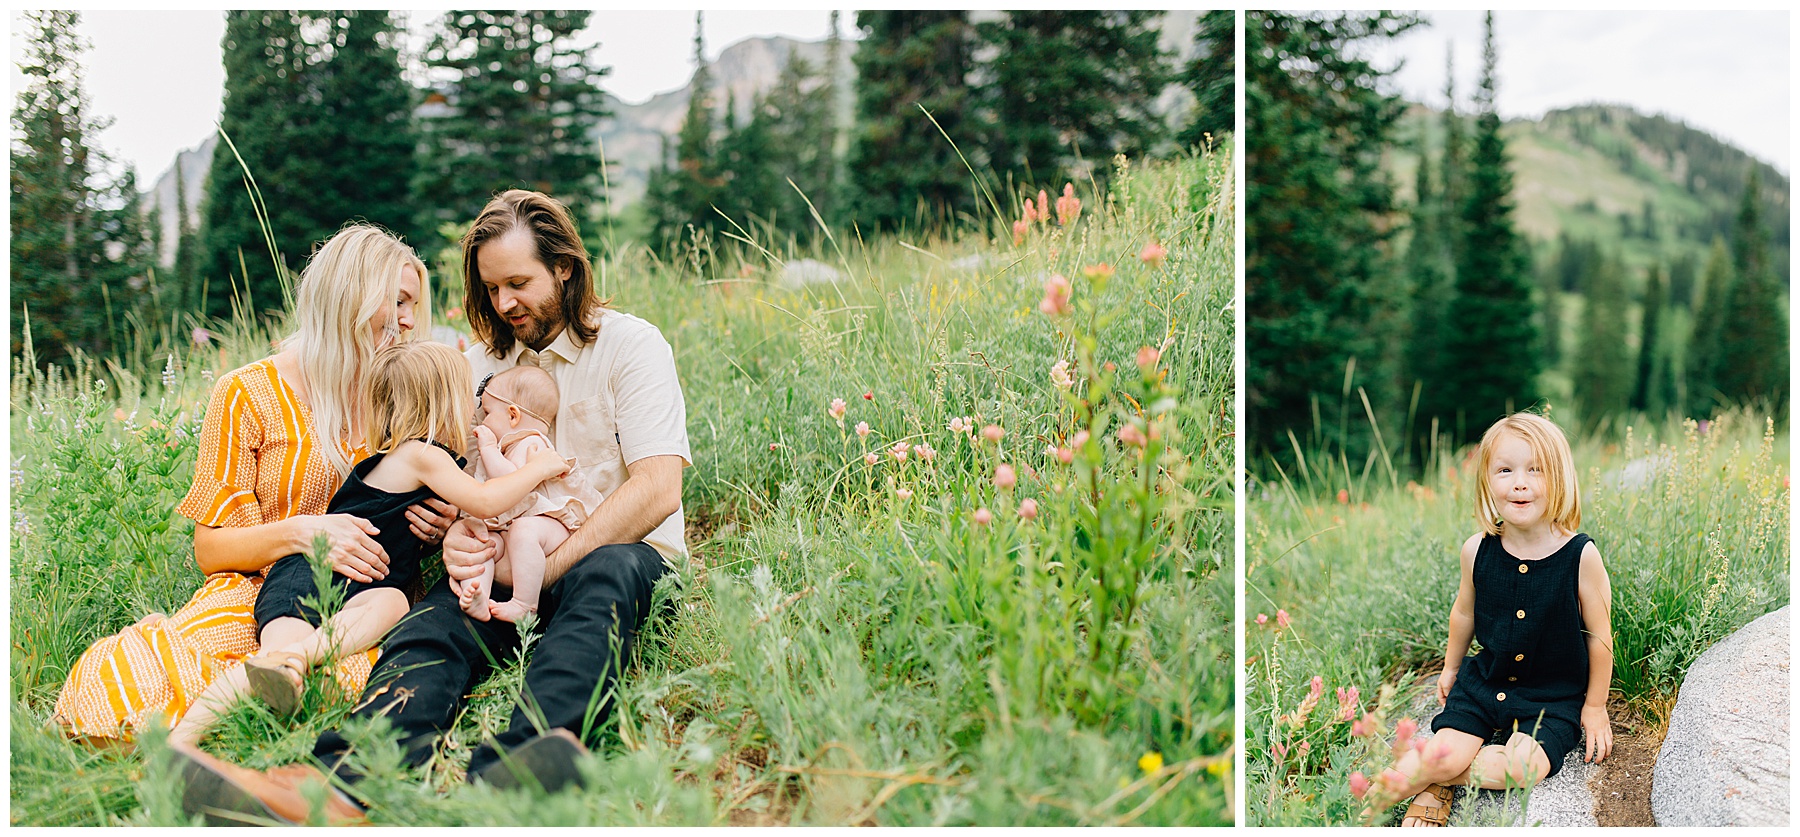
(1446, 682)
(431, 519)
(354, 551)
(467, 549)
(550, 461)
(1597, 729)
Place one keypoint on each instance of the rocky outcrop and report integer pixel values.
(1725, 760)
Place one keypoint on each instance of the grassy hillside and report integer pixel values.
(900, 641)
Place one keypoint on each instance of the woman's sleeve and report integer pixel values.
(223, 492)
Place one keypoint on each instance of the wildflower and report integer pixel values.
(1281, 619)
(1280, 750)
(958, 424)
(1028, 509)
(461, 344)
(1363, 726)
(774, 446)
(983, 516)
(862, 429)
(1056, 297)
(1109, 366)
(1403, 732)
(1065, 455)
(119, 415)
(202, 337)
(1030, 214)
(1130, 435)
(1305, 747)
(1262, 618)
(1153, 254)
(1004, 478)
(1705, 425)
(924, 451)
(1343, 496)
(869, 395)
(993, 433)
(1043, 206)
(1098, 272)
(1308, 703)
(903, 493)
(1347, 700)
(1150, 762)
(1019, 230)
(1059, 375)
(1392, 780)
(1146, 358)
(455, 312)
(1359, 784)
(1081, 438)
(1068, 207)
(870, 459)
(837, 409)
(898, 451)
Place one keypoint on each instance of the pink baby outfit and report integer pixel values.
(570, 498)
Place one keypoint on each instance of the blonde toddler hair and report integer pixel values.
(1550, 448)
(419, 390)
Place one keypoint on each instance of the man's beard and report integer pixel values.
(539, 324)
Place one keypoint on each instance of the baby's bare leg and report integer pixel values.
(472, 594)
(527, 543)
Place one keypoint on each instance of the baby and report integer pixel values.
(515, 417)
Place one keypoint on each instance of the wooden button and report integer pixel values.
(1521, 614)
(1511, 679)
(1524, 569)
(1501, 696)
(1518, 658)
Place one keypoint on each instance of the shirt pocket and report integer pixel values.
(594, 438)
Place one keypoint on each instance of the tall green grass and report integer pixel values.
(1690, 521)
(836, 654)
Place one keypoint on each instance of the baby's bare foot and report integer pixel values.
(474, 599)
(509, 611)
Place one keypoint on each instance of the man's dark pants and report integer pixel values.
(588, 620)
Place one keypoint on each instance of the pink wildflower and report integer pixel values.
(1343, 496)
(1065, 455)
(1262, 618)
(1280, 750)
(1281, 619)
(454, 313)
(983, 516)
(903, 493)
(869, 396)
(1004, 478)
(1147, 357)
(898, 451)
(1347, 700)
(1019, 229)
(924, 451)
(957, 426)
(1030, 213)
(1080, 438)
(1028, 509)
(1109, 366)
(1056, 297)
(870, 458)
(837, 409)
(862, 428)
(1403, 732)
(1059, 375)
(1043, 206)
(774, 446)
(1359, 785)
(202, 337)
(1153, 254)
(461, 344)
(1305, 747)
(993, 433)
(1068, 207)
(1131, 436)
(1098, 272)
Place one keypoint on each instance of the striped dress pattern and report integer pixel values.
(259, 461)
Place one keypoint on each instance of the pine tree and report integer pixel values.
(1603, 370)
(907, 174)
(1069, 86)
(1681, 281)
(1315, 210)
(1709, 324)
(1493, 354)
(1454, 163)
(1212, 76)
(1428, 275)
(79, 253)
(316, 108)
(752, 195)
(1753, 346)
(1644, 396)
(796, 114)
(681, 195)
(523, 108)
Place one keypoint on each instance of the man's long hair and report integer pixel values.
(558, 246)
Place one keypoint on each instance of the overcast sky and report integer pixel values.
(160, 77)
(1724, 72)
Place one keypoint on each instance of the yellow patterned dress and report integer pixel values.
(259, 462)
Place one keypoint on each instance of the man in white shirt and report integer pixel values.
(530, 300)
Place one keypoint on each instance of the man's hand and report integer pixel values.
(431, 519)
(1597, 729)
(467, 548)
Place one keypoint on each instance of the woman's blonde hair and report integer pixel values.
(351, 278)
(419, 390)
(1550, 450)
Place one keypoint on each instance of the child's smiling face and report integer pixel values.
(1516, 482)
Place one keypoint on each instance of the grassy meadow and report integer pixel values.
(1350, 573)
(891, 639)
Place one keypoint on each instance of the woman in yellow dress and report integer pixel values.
(275, 444)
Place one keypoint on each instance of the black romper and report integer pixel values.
(1533, 656)
(291, 579)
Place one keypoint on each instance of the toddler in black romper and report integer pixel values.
(290, 579)
(1531, 674)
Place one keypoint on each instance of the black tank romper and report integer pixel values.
(1533, 659)
(290, 579)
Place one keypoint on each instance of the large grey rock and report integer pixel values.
(1561, 800)
(1725, 760)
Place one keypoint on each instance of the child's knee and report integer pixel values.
(1526, 762)
(385, 602)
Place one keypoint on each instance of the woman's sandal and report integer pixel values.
(1438, 814)
(277, 678)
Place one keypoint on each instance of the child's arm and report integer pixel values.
(488, 448)
(1594, 591)
(1462, 619)
(438, 472)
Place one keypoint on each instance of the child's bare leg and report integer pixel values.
(367, 617)
(1519, 763)
(527, 543)
(1443, 758)
(233, 684)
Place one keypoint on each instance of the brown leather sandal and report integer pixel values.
(277, 678)
(1438, 814)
